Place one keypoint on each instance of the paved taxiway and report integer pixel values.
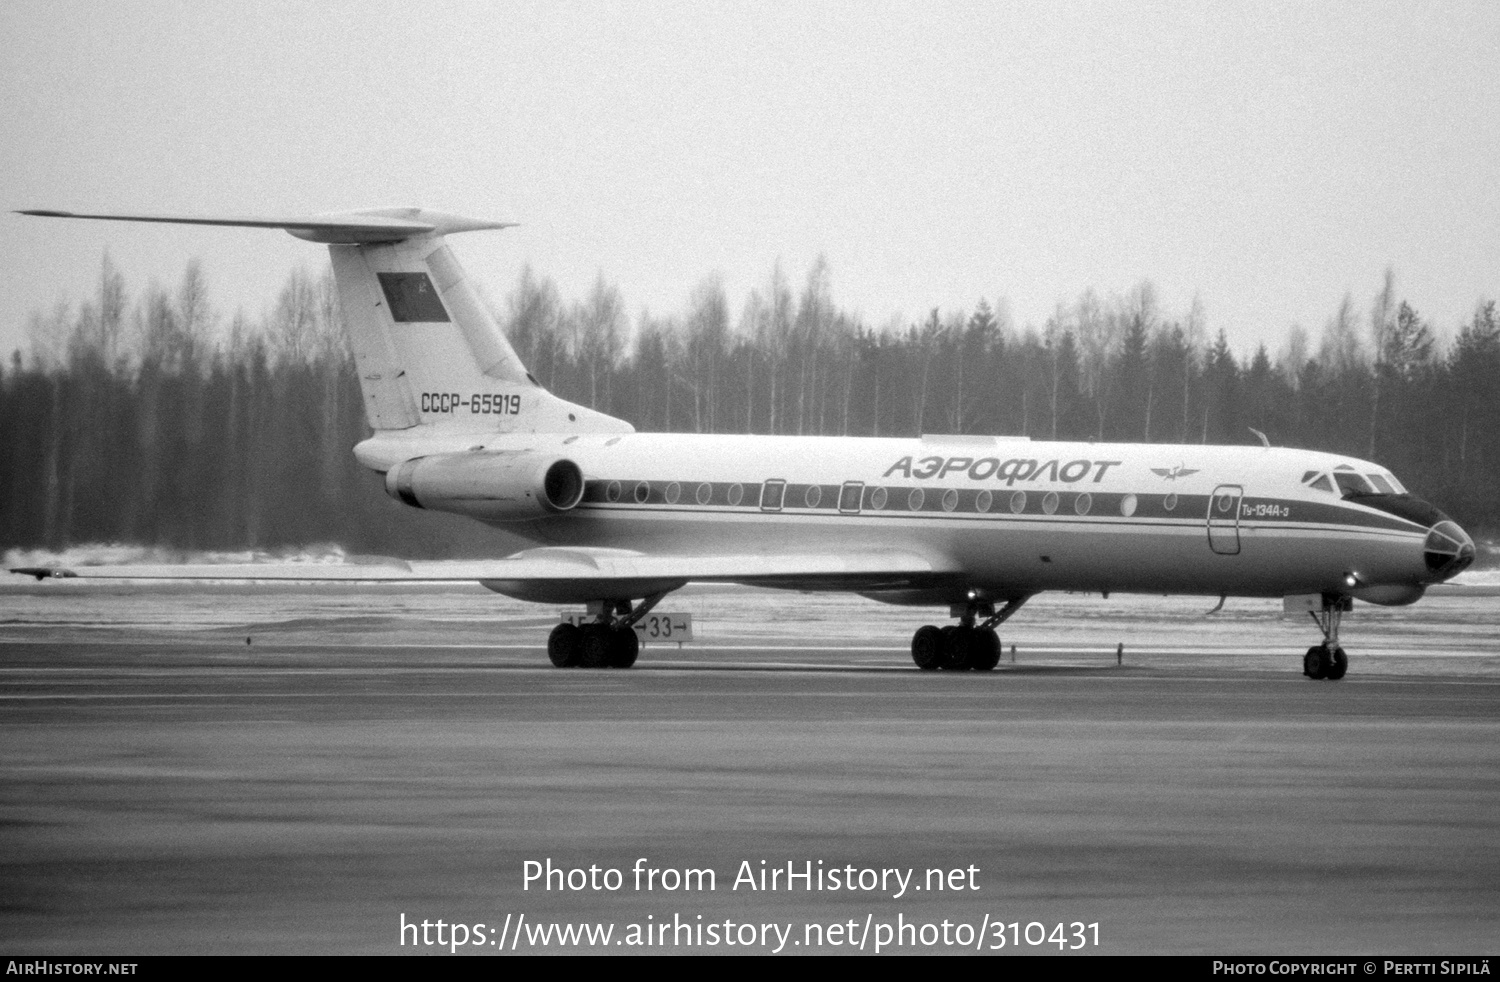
(165, 787)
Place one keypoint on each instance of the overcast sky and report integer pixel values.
(1267, 156)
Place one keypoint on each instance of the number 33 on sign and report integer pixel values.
(653, 627)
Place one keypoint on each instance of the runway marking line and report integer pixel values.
(1424, 682)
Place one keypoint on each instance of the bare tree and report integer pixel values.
(1382, 322)
(1292, 358)
(1052, 335)
(707, 331)
(952, 337)
(163, 345)
(1383, 314)
(926, 340)
(1195, 341)
(195, 314)
(1142, 306)
(770, 316)
(172, 331)
(97, 331)
(294, 321)
(49, 335)
(1098, 330)
(657, 357)
(1142, 320)
(754, 325)
(1408, 345)
(332, 344)
(814, 318)
(111, 310)
(599, 330)
(534, 324)
(1341, 352)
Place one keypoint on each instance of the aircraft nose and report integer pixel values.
(1448, 550)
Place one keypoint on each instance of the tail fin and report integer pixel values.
(427, 349)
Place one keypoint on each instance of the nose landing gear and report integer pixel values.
(969, 644)
(1327, 660)
(1323, 662)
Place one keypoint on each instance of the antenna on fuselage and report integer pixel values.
(1263, 441)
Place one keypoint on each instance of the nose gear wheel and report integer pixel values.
(1327, 660)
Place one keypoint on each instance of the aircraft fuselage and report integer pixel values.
(1012, 517)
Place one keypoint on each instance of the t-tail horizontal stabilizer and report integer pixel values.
(345, 227)
(427, 349)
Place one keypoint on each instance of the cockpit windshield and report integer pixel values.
(1318, 481)
(1351, 484)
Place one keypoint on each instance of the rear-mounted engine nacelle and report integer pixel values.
(495, 486)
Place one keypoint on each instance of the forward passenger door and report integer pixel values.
(1224, 519)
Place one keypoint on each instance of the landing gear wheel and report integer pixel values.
(1327, 660)
(624, 647)
(927, 648)
(984, 650)
(598, 641)
(955, 647)
(565, 645)
(1316, 663)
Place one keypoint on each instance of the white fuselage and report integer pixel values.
(1011, 517)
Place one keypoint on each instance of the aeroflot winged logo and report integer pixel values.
(1173, 473)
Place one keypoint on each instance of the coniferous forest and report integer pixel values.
(151, 418)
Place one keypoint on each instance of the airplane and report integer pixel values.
(978, 524)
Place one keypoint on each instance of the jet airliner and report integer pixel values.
(976, 524)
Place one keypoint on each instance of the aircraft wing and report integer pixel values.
(560, 574)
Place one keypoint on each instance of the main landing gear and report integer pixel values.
(609, 641)
(592, 646)
(969, 644)
(1327, 660)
